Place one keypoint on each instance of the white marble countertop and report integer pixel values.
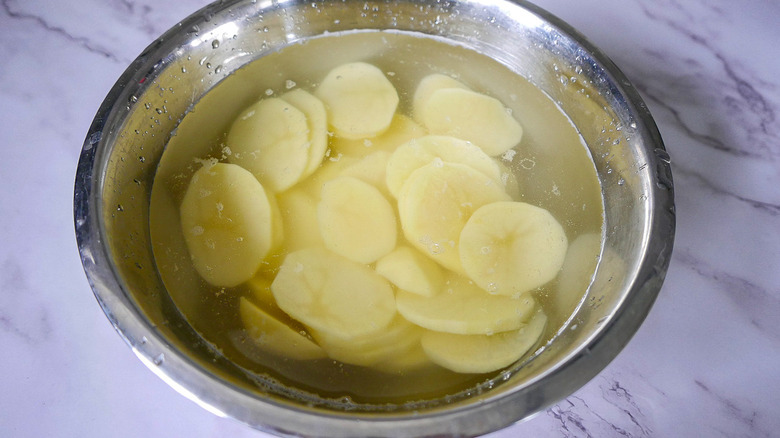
(706, 362)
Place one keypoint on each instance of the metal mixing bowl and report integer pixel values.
(132, 126)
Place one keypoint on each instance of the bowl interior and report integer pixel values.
(136, 120)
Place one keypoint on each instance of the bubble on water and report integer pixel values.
(159, 359)
(485, 250)
(434, 248)
(119, 207)
(289, 84)
(492, 287)
(184, 70)
(269, 92)
(218, 69)
(215, 44)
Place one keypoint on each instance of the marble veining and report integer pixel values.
(704, 363)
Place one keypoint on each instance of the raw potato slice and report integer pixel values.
(512, 247)
(480, 353)
(401, 130)
(436, 201)
(333, 295)
(317, 120)
(398, 337)
(227, 220)
(275, 337)
(577, 272)
(406, 361)
(359, 99)
(355, 220)
(474, 117)
(429, 85)
(463, 308)
(271, 140)
(299, 215)
(411, 271)
(370, 169)
(331, 169)
(414, 154)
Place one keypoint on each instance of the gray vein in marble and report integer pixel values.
(622, 399)
(750, 99)
(763, 207)
(761, 306)
(81, 41)
(746, 418)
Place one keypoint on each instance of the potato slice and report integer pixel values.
(227, 222)
(397, 338)
(463, 308)
(416, 153)
(334, 295)
(409, 360)
(275, 337)
(371, 169)
(317, 121)
(481, 353)
(299, 215)
(411, 271)
(471, 116)
(359, 99)
(429, 85)
(355, 220)
(271, 140)
(512, 247)
(436, 201)
(401, 130)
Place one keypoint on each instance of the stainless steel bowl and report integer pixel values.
(132, 126)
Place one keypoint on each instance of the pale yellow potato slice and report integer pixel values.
(227, 222)
(480, 353)
(411, 271)
(427, 86)
(436, 201)
(299, 215)
(416, 153)
(371, 169)
(317, 121)
(409, 360)
(512, 247)
(396, 339)
(472, 116)
(332, 168)
(463, 308)
(271, 140)
(355, 220)
(401, 130)
(275, 337)
(359, 99)
(333, 295)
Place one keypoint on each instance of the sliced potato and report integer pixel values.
(429, 85)
(436, 201)
(416, 153)
(512, 247)
(275, 337)
(317, 121)
(299, 215)
(411, 271)
(359, 99)
(334, 295)
(472, 116)
(463, 308)
(271, 140)
(481, 353)
(397, 338)
(355, 220)
(401, 130)
(227, 222)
